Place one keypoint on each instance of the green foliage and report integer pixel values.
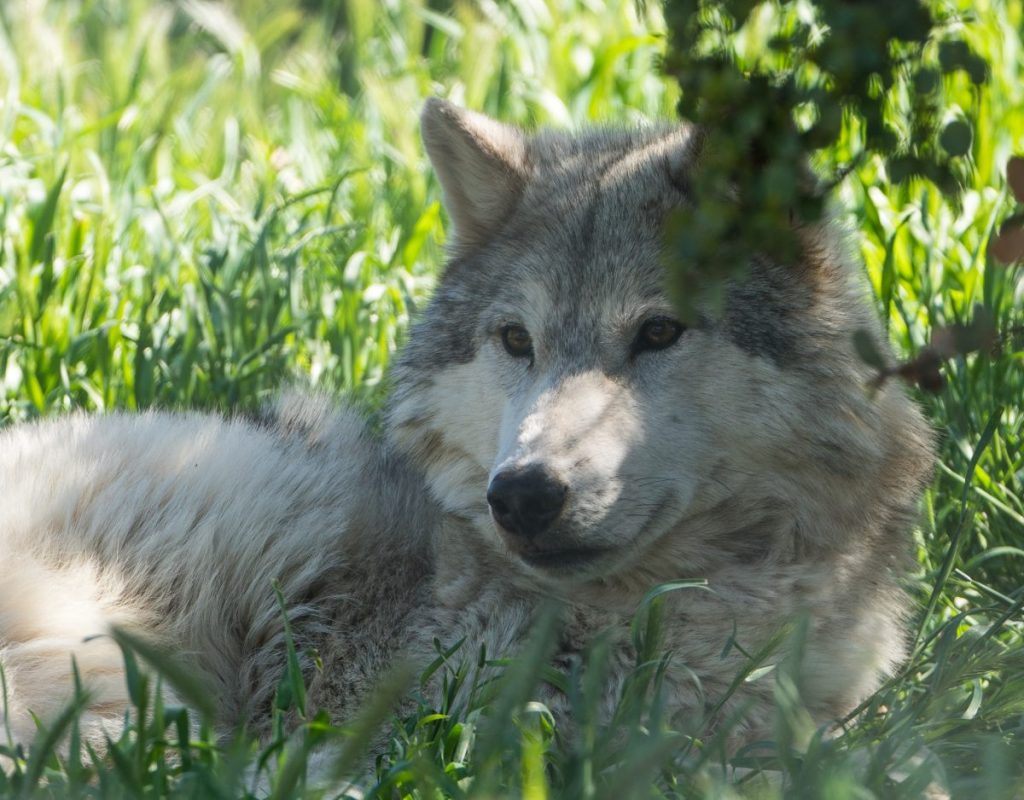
(770, 83)
(199, 202)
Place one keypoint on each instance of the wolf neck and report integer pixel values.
(467, 567)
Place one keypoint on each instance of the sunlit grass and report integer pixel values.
(200, 203)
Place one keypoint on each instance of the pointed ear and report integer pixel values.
(685, 149)
(481, 164)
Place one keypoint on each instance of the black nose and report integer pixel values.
(526, 501)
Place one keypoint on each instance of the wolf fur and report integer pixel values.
(747, 453)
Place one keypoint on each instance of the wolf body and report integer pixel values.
(553, 430)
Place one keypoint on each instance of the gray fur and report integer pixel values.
(748, 453)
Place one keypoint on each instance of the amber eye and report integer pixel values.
(517, 341)
(657, 334)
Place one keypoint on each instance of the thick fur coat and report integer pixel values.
(743, 450)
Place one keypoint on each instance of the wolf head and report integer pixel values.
(557, 404)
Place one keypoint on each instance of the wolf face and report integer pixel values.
(556, 401)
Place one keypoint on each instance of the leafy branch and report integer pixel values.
(770, 84)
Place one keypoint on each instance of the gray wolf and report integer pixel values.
(553, 430)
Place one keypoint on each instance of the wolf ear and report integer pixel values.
(686, 147)
(481, 164)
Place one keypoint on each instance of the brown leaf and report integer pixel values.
(958, 340)
(944, 343)
(978, 335)
(923, 369)
(1015, 177)
(1008, 247)
(931, 381)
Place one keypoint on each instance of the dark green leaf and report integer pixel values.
(864, 344)
(926, 80)
(956, 138)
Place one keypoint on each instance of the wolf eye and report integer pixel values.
(517, 341)
(657, 334)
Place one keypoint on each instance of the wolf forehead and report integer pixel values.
(601, 189)
(588, 210)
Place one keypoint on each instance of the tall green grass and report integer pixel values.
(201, 202)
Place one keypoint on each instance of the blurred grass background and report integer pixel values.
(202, 201)
(198, 199)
